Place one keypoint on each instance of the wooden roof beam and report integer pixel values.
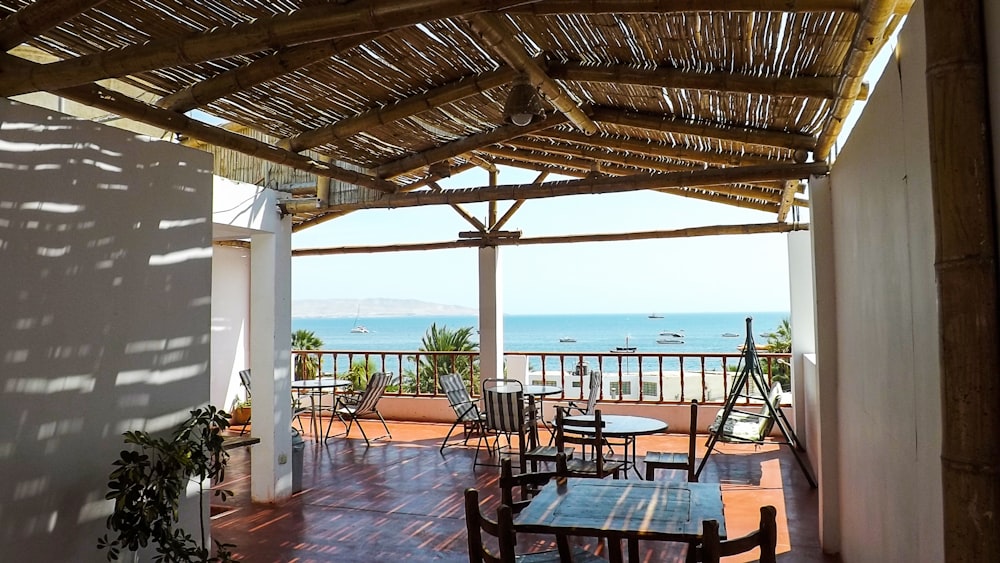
(468, 86)
(794, 141)
(584, 165)
(693, 178)
(499, 38)
(820, 87)
(314, 23)
(556, 7)
(656, 149)
(257, 72)
(787, 199)
(710, 230)
(868, 39)
(39, 17)
(600, 155)
(726, 199)
(466, 144)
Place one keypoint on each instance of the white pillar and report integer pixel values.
(270, 357)
(490, 313)
(803, 323)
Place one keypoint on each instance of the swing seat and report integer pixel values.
(746, 426)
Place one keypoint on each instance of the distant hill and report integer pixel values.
(340, 308)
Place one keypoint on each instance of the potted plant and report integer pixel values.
(151, 477)
(240, 413)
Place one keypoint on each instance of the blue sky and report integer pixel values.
(720, 273)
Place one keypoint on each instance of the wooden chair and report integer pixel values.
(677, 460)
(587, 434)
(502, 529)
(765, 537)
(466, 408)
(538, 452)
(365, 406)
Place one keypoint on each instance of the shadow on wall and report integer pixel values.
(105, 254)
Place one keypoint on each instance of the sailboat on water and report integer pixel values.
(358, 329)
(626, 349)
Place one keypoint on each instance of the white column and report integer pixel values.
(803, 322)
(270, 353)
(490, 313)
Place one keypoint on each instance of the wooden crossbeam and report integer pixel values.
(554, 7)
(655, 149)
(584, 165)
(711, 230)
(313, 23)
(449, 93)
(466, 144)
(257, 72)
(622, 159)
(38, 17)
(694, 178)
(806, 86)
(712, 130)
(787, 198)
(499, 38)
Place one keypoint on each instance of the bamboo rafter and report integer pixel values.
(38, 17)
(713, 230)
(498, 37)
(554, 7)
(594, 154)
(431, 99)
(585, 165)
(655, 149)
(500, 134)
(315, 23)
(712, 130)
(787, 199)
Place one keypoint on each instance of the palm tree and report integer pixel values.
(431, 365)
(306, 365)
(779, 341)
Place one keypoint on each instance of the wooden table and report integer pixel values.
(617, 509)
(626, 427)
(315, 388)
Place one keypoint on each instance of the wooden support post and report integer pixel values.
(966, 264)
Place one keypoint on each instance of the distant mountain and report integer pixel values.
(339, 308)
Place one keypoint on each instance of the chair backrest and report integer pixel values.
(454, 388)
(504, 406)
(765, 537)
(477, 523)
(245, 381)
(529, 482)
(517, 368)
(774, 400)
(692, 442)
(372, 393)
(586, 432)
(595, 390)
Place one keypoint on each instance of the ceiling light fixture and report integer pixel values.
(522, 103)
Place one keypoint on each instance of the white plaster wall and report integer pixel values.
(230, 322)
(802, 323)
(888, 374)
(105, 261)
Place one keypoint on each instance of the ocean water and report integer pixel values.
(533, 334)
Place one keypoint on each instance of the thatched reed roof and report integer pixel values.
(733, 101)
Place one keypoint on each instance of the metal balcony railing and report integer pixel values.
(641, 378)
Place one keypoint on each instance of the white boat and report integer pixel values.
(655, 316)
(359, 329)
(626, 349)
(673, 334)
(669, 341)
(730, 334)
(567, 339)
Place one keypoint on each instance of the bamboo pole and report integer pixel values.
(313, 23)
(655, 149)
(722, 198)
(600, 155)
(787, 198)
(125, 106)
(716, 230)
(517, 204)
(694, 178)
(739, 135)
(555, 7)
(39, 17)
(581, 164)
(868, 38)
(437, 97)
(257, 72)
(455, 148)
(499, 38)
(821, 87)
(965, 216)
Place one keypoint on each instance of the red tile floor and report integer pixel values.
(401, 500)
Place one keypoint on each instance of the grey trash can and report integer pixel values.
(298, 447)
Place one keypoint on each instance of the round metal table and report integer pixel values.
(315, 388)
(626, 427)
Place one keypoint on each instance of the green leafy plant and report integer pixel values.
(306, 365)
(150, 479)
(445, 340)
(779, 341)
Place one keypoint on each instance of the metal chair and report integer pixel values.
(365, 406)
(466, 408)
(504, 415)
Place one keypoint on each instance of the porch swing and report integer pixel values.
(734, 425)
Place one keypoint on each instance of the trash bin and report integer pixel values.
(298, 447)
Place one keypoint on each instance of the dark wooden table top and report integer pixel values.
(651, 510)
(617, 425)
